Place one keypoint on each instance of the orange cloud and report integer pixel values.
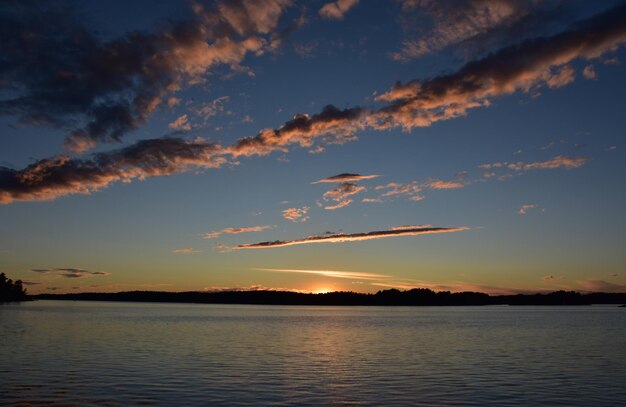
(335, 10)
(341, 193)
(296, 214)
(180, 124)
(186, 250)
(439, 184)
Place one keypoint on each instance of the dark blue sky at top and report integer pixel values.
(571, 234)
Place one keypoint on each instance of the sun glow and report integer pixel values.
(322, 290)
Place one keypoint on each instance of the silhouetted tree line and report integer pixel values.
(10, 290)
(414, 297)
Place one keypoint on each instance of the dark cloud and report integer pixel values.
(342, 238)
(70, 272)
(50, 178)
(345, 177)
(55, 71)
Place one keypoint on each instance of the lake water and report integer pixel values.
(76, 353)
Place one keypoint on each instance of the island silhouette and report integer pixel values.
(391, 297)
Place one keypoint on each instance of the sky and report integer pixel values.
(313, 146)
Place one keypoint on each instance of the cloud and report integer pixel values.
(70, 272)
(342, 238)
(523, 210)
(61, 175)
(601, 286)
(371, 200)
(215, 107)
(180, 124)
(439, 184)
(612, 275)
(104, 89)
(296, 214)
(306, 50)
(235, 231)
(552, 278)
(411, 189)
(331, 125)
(341, 193)
(335, 10)
(589, 72)
(457, 21)
(410, 227)
(560, 161)
(330, 273)
(525, 67)
(186, 250)
(345, 177)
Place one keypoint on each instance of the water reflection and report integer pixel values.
(116, 353)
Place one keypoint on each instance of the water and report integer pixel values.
(77, 353)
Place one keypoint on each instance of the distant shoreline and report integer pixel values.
(414, 297)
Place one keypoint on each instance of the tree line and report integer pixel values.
(11, 290)
(414, 297)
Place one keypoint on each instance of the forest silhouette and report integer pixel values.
(392, 297)
(11, 291)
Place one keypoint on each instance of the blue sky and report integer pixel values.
(473, 145)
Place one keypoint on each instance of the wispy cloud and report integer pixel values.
(551, 277)
(181, 123)
(523, 210)
(335, 10)
(212, 108)
(601, 285)
(330, 273)
(459, 21)
(70, 272)
(342, 238)
(439, 184)
(296, 214)
(235, 231)
(412, 190)
(341, 195)
(560, 161)
(186, 250)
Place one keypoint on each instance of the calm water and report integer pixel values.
(166, 354)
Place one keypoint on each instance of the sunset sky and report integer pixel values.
(313, 145)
